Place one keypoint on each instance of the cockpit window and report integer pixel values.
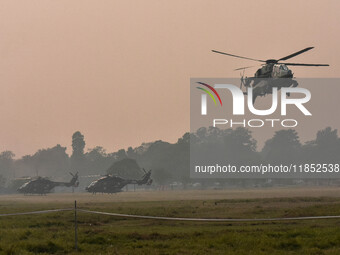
(284, 67)
(93, 183)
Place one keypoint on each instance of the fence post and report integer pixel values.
(75, 226)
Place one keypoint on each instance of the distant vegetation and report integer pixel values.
(169, 162)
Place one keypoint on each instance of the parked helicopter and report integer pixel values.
(273, 73)
(114, 184)
(42, 185)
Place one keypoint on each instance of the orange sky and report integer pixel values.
(118, 71)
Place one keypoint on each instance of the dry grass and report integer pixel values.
(176, 195)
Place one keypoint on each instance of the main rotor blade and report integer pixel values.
(296, 64)
(220, 52)
(296, 53)
(242, 68)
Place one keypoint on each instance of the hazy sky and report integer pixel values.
(118, 71)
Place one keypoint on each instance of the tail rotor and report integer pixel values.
(242, 79)
(74, 181)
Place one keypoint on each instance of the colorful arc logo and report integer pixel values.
(209, 93)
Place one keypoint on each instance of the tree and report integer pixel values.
(161, 176)
(78, 162)
(324, 149)
(131, 153)
(97, 160)
(240, 146)
(6, 164)
(46, 162)
(126, 168)
(121, 154)
(2, 182)
(78, 145)
(239, 140)
(284, 147)
(96, 153)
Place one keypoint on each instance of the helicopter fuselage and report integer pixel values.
(43, 185)
(107, 184)
(38, 186)
(274, 71)
(114, 184)
(269, 76)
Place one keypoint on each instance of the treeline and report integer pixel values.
(170, 162)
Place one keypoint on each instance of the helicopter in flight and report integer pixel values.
(114, 184)
(273, 73)
(42, 185)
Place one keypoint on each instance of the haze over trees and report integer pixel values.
(284, 147)
(169, 162)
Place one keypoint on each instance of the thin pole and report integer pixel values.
(75, 226)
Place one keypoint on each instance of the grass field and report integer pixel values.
(99, 234)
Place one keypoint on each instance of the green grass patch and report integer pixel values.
(53, 233)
